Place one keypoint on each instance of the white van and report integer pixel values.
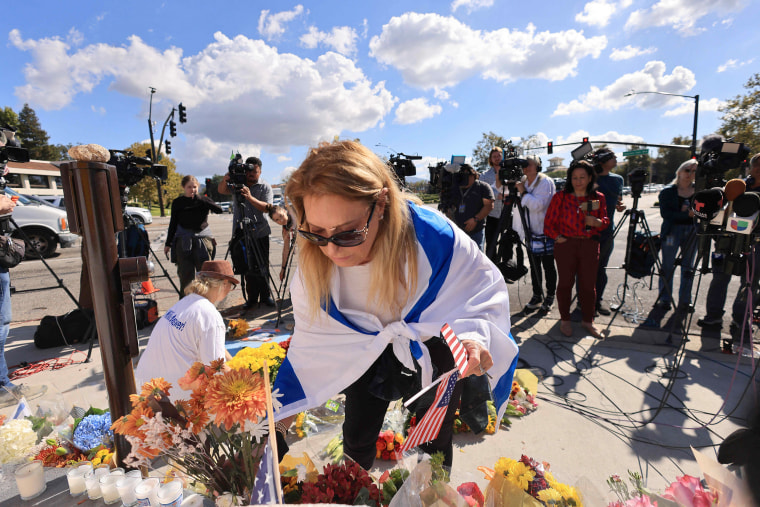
(45, 226)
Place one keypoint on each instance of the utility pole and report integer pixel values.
(156, 150)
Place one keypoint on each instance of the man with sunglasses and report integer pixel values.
(257, 197)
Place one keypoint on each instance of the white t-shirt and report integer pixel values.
(192, 330)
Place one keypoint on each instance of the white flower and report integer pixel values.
(258, 430)
(16, 439)
(276, 405)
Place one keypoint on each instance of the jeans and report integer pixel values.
(537, 262)
(5, 321)
(681, 237)
(716, 294)
(479, 238)
(606, 242)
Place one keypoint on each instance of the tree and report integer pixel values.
(8, 117)
(668, 160)
(741, 118)
(634, 162)
(145, 191)
(483, 148)
(32, 136)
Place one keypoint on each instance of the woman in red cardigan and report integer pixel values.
(574, 220)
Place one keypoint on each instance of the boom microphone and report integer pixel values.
(707, 203)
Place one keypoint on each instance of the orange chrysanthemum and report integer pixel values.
(157, 387)
(195, 377)
(130, 423)
(236, 396)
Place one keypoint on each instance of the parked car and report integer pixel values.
(139, 215)
(45, 226)
(226, 206)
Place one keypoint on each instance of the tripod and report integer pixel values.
(284, 283)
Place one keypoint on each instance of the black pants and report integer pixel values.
(365, 412)
(537, 262)
(492, 226)
(257, 280)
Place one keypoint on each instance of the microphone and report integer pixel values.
(707, 203)
(733, 189)
(587, 206)
(746, 208)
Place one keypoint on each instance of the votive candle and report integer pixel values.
(126, 488)
(147, 493)
(75, 477)
(30, 479)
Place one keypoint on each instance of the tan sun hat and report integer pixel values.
(218, 269)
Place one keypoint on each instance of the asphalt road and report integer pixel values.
(30, 303)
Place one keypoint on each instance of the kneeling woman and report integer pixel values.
(574, 220)
(192, 330)
(378, 276)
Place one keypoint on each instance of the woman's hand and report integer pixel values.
(593, 221)
(560, 239)
(520, 186)
(479, 359)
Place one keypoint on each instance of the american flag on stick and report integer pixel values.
(460, 354)
(430, 425)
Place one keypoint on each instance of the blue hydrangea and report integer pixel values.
(92, 431)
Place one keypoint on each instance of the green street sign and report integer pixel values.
(635, 152)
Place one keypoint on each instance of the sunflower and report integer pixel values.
(236, 396)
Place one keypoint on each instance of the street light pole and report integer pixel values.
(696, 113)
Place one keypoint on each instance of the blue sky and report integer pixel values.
(419, 77)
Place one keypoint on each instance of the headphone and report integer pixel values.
(603, 155)
(537, 160)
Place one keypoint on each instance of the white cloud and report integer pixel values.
(74, 37)
(293, 100)
(441, 94)
(284, 158)
(629, 52)
(416, 110)
(272, 26)
(651, 78)
(285, 174)
(732, 63)
(470, 5)
(98, 110)
(596, 13)
(433, 51)
(681, 15)
(342, 39)
(686, 106)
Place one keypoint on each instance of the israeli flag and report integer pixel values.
(456, 283)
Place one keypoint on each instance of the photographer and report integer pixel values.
(189, 237)
(491, 176)
(256, 197)
(611, 185)
(536, 191)
(716, 294)
(474, 201)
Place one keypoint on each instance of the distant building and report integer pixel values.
(555, 164)
(36, 177)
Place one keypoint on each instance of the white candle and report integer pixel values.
(108, 488)
(93, 486)
(30, 479)
(170, 494)
(75, 476)
(147, 492)
(126, 488)
(193, 500)
(134, 473)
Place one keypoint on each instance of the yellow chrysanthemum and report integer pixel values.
(236, 396)
(253, 358)
(550, 496)
(569, 494)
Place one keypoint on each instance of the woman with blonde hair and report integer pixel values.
(191, 330)
(677, 233)
(378, 276)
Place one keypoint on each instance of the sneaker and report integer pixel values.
(12, 395)
(602, 308)
(548, 303)
(662, 305)
(535, 302)
(710, 322)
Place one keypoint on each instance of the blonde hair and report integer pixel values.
(684, 165)
(187, 179)
(202, 285)
(350, 170)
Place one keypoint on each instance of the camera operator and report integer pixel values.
(716, 294)
(536, 191)
(491, 176)
(474, 201)
(611, 186)
(257, 196)
(6, 208)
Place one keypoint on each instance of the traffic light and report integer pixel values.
(550, 147)
(168, 147)
(172, 128)
(585, 140)
(182, 113)
(208, 186)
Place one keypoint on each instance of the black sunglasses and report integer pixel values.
(342, 239)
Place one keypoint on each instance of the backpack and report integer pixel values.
(642, 260)
(74, 327)
(136, 241)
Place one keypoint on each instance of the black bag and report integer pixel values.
(243, 262)
(12, 251)
(642, 259)
(74, 327)
(146, 312)
(511, 268)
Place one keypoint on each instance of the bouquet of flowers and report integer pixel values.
(511, 480)
(216, 438)
(684, 491)
(17, 437)
(253, 358)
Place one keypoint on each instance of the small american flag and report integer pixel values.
(263, 486)
(460, 354)
(430, 425)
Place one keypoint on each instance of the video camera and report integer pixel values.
(237, 171)
(402, 165)
(511, 167)
(636, 179)
(716, 157)
(130, 169)
(10, 151)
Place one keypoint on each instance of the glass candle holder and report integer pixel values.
(126, 487)
(147, 492)
(134, 473)
(108, 489)
(75, 478)
(194, 500)
(92, 482)
(30, 479)
(170, 494)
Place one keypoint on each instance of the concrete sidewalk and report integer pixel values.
(605, 406)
